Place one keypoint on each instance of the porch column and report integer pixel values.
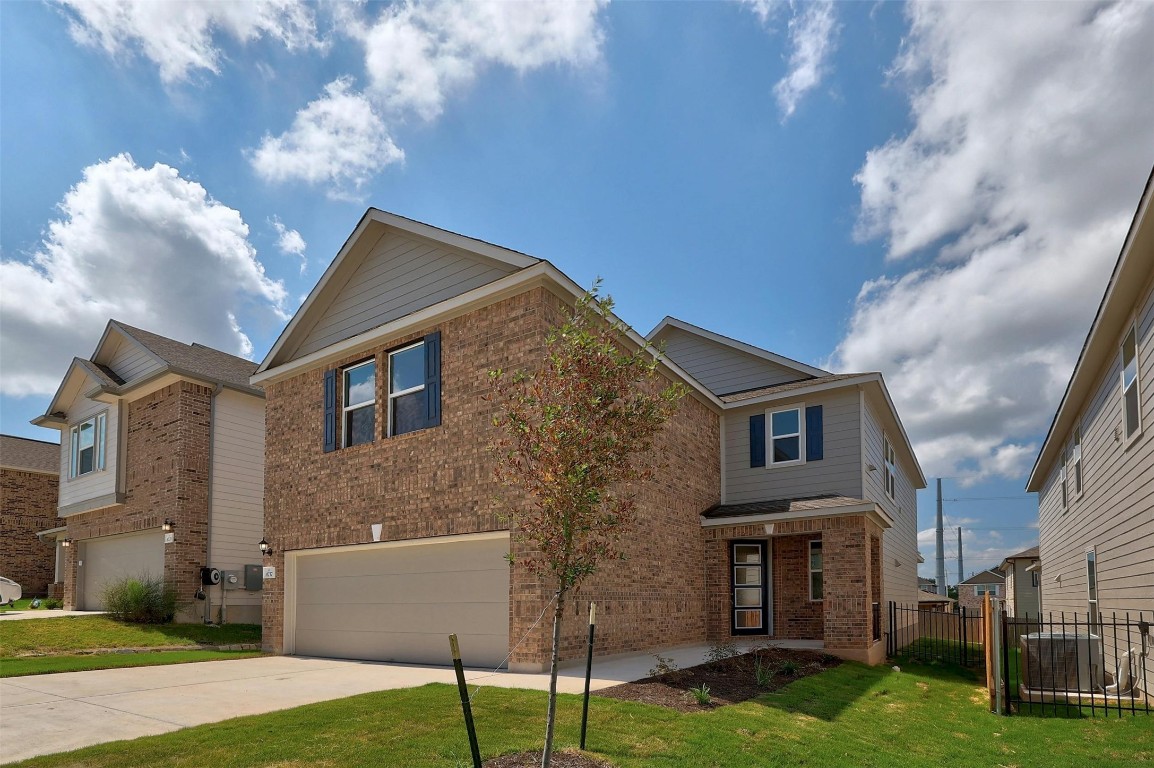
(847, 605)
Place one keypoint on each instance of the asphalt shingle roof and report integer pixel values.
(25, 453)
(986, 577)
(782, 506)
(749, 394)
(195, 358)
(1025, 554)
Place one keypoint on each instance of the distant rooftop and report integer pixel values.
(26, 453)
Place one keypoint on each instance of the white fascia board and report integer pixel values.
(764, 354)
(47, 419)
(870, 510)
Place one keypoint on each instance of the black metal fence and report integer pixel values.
(1078, 665)
(929, 636)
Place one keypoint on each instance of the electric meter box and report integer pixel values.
(254, 577)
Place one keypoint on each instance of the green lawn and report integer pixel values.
(68, 634)
(45, 665)
(849, 716)
(23, 604)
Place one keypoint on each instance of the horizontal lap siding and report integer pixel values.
(131, 362)
(838, 472)
(723, 369)
(93, 484)
(400, 276)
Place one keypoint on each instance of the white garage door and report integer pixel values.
(113, 557)
(401, 601)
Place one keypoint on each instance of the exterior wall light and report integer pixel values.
(167, 526)
(66, 542)
(265, 547)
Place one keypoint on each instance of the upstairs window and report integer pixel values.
(88, 439)
(360, 403)
(1131, 421)
(1063, 487)
(1076, 459)
(786, 437)
(407, 389)
(891, 462)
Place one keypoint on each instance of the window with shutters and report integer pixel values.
(786, 437)
(1131, 412)
(407, 389)
(360, 403)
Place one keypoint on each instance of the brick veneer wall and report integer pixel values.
(28, 504)
(166, 477)
(974, 603)
(439, 482)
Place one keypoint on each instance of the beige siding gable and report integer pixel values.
(128, 359)
(400, 275)
(723, 369)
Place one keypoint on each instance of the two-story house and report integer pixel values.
(161, 467)
(782, 505)
(29, 484)
(972, 592)
(1095, 471)
(1023, 574)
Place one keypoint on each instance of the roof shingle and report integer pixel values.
(195, 358)
(25, 453)
(749, 394)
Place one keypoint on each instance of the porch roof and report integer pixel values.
(780, 510)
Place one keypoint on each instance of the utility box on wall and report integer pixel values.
(253, 578)
(231, 580)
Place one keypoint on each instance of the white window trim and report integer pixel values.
(1092, 603)
(890, 471)
(1076, 460)
(769, 462)
(346, 409)
(810, 570)
(1127, 440)
(391, 395)
(99, 445)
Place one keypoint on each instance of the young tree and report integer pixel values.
(573, 430)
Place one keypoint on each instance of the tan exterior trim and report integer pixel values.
(90, 505)
(764, 354)
(871, 511)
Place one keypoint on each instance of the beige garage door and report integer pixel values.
(112, 557)
(401, 603)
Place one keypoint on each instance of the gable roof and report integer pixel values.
(672, 322)
(1025, 554)
(985, 577)
(195, 359)
(28, 454)
(1132, 272)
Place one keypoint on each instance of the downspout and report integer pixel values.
(208, 523)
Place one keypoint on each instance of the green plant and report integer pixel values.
(663, 665)
(721, 651)
(701, 695)
(53, 603)
(788, 668)
(762, 672)
(140, 599)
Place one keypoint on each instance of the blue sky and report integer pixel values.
(934, 191)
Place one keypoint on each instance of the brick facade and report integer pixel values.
(27, 505)
(974, 603)
(166, 477)
(439, 481)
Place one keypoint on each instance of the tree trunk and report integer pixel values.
(558, 613)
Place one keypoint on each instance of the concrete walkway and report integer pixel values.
(44, 614)
(42, 714)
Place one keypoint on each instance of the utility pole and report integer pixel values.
(941, 574)
(960, 554)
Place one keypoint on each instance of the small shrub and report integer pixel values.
(701, 695)
(53, 603)
(663, 666)
(762, 672)
(721, 651)
(788, 668)
(140, 600)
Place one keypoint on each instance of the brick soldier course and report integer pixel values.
(29, 490)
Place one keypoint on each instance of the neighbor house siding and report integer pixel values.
(237, 499)
(839, 471)
(402, 274)
(27, 506)
(131, 362)
(1115, 513)
(97, 484)
(1020, 584)
(723, 369)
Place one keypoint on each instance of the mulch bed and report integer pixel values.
(560, 759)
(730, 680)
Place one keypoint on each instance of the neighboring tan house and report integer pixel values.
(932, 601)
(1023, 574)
(972, 592)
(380, 504)
(927, 585)
(1095, 471)
(161, 472)
(29, 483)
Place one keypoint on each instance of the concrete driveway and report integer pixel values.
(42, 714)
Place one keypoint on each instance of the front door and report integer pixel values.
(749, 578)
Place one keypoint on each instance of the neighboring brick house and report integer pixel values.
(161, 471)
(380, 505)
(1023, 572)
(29, 484)
(972, 592)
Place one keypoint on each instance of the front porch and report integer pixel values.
(798, 570)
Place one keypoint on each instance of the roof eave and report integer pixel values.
(672, 322)
(869, 509)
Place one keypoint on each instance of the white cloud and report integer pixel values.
(290, 242)
(1032, 133)
(178, 37)
(338, 140)
(142, 245)
(812, 39)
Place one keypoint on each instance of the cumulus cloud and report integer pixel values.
(290, 242)
(142, 245)
(813, 39)
(338, 140)
(179, 38)
(1032, 134)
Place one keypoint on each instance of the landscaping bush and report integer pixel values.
(140, 600)
(54, 603)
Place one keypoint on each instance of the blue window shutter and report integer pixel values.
(330, 410)
(433, 379)
(757, 440)
(814, 439)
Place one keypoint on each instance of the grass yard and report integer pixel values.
(23, 604)
(847, 716)
(68, 634)
(46, 665)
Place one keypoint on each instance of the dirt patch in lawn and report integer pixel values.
(730, 680)
(565, 759)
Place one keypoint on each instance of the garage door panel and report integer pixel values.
(400, 603)
(109, 558)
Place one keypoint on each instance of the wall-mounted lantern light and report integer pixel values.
(66, 542)
(167, 527)
(265, 547)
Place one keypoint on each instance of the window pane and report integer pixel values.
(786, 422)
(359, 425)
(360, 384)
(407, 369)
(747, 620)
(815, 585)
(747, 553)
(100, 431)
(1092, 575)
(747, 597)
(1129, 349)
(408, 412)
(87, 432)
(786, 449)
(1131, 406)
(746, 574)
(815, 558)
(86, 457)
